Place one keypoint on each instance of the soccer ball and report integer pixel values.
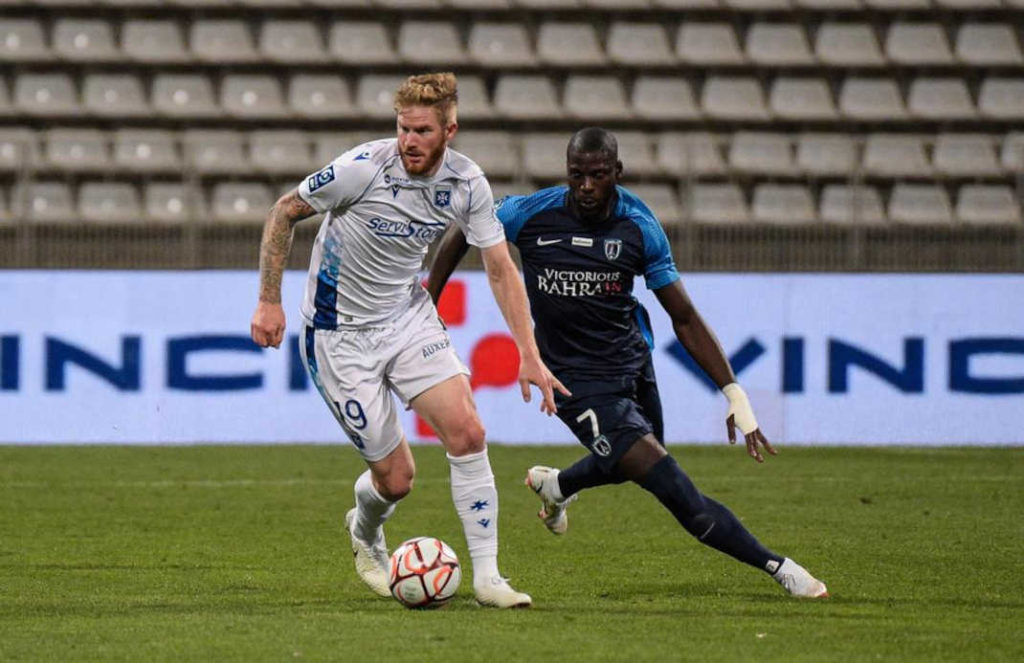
(424, 573)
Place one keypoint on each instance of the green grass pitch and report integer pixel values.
(237, 554)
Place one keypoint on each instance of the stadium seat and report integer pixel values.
(639, 44)
(49, 202)
(984, 204)
(965, 155)
(146, 151)
(664, 98)
(917, 44)
(409, 4)
(733, 98)
(661, 199)
(685, 4)
(155, 41)
(525, 97)
(595, 98)
(717, 204)
(756, 5)
(280, 152)
(636, 153)
(430, 42)
(871, 99)
(548, 4)
(114, 95)
(569, 44)
(215, 152)
(360, 42)
(222, 41)
(986, 44)
(783, 204)
(828, 4)
(131, 4)
(801, 99)
(76, 150)
(252, 96)
(502, 189)
(329, 146)
(845, 204)
(292, 42)
(1002, 98)
(473, 101)
(22, 40)
(694, 154)
(77, 40)
(1011, 156)
(824, 155)
(897, 4)
(778, 44)
(500, 45)
(920, 204)
(544, 155)
(240, 202)
(320, 96)
(708, 44)
(6, 105)
(6, 206)
(480, 4)
(184, 95)
(109, 202)
(896, 155)
(761, 153)
(940, 99)
(848, 45)
(967, 4)
(45, 95)
(19, 149)
(171, 202)
(340, 4)
(495, 151)
(375, 94)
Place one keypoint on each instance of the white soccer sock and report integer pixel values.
(371, 509)
(476, 502)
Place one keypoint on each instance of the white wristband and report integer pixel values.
(739, 405)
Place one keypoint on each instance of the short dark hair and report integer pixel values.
(593, 139)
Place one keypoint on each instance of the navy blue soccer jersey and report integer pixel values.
(579, 278)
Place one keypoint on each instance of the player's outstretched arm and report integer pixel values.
(703, 346)
(450, 252)
(267, 327)
(511, 297)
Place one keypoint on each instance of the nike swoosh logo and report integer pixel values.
(542, 242)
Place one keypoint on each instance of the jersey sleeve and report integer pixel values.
(515, 211)
(481, 225)
(340, 183)
(659, 267)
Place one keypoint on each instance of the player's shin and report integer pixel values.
(709, 521)
(476, 501)
(585, 473)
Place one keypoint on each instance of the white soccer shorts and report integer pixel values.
(356, 371)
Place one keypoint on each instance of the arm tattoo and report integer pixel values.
(277, 243)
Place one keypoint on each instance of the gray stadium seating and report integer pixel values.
(896, 155)
(639, 44)
(184, 95)
(360, 42)
(871, 99)
(504, 44)
(637, 154)
(544, 155)
(155, 41)
(1002, 98)
(252, 96)
(846, 204)
(109, 202)
(292, 42)
(848, 44)
(146, 151)
(19, 149)
(782, 204)
(172, 203)
(664, 98)
(49, 202)
(22, 40)
(733, 98)
(920, 204)
(940, 99)
(240, 202)
(778, 44)
(525, 97)
(375, 94)
(89, 40)
(682, 154)
(985, 204)
(662, 201)
(496, 152)
(985, 44)
(320, 96)
(114, 95)
(761, 153)
(430, 43)
(595, 98)
(822, 155)
(718, 204)
(215, 152)
(965, 155)
(567, 44)
(1011, 156)
(801, 99)
(223, 41)
(46, 95)
(708, 44)
(76, 150)
(473, 100)
(280, 152)
(917, 44)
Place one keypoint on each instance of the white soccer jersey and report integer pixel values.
(379, 222)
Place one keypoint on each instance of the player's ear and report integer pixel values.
(450, 131)
(618, 170)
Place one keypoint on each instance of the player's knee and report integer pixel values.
(396, 485)
(468, 438)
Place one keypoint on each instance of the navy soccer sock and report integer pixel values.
(585, 473)
(710, 522)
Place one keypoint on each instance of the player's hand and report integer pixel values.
(742, 415)
(533, 371)
(267, 327)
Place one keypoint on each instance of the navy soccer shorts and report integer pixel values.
(609, 414)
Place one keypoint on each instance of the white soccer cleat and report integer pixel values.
(497, 593)
(542, 480)
(799, 582)
(371, 560)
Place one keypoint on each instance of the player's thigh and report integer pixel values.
(351, 382)
(607, 424)
(449, 409)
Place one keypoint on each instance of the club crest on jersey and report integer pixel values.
(324, 177)
(442, 196)
(602, 447)
(612, 248)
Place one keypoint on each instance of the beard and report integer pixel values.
(425, 163)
